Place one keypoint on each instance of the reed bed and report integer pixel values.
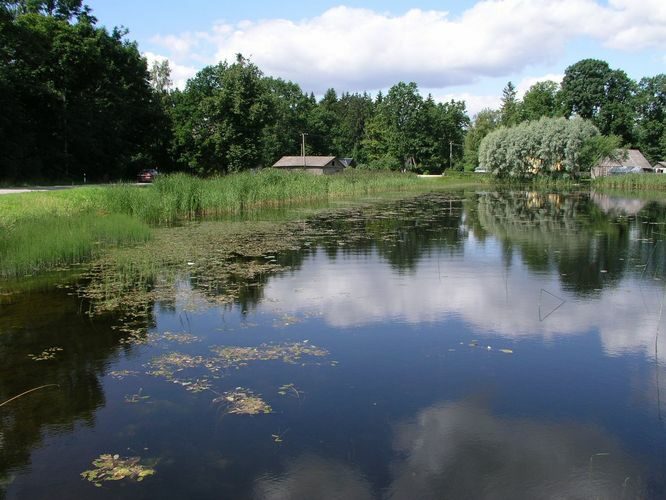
(180, 196)
(44, 230)
(50, 242)
(632, 182)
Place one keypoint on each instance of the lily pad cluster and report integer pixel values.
(116, 468)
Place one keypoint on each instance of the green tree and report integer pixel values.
(291, 110)
(160, 76)
(484, 122)
(220, 117)
(592, 90)
(651, 117)
(550, 146)
(541, 99)
(353, 113)
(80, 103)
(509, 111)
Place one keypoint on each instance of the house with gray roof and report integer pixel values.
(633, 162)
(317, 165)
(660, 167)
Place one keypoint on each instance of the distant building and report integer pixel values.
(660, 168)
(317, 165)
(633, 163)
(348, 162)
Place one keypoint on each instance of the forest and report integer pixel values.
(79, 101)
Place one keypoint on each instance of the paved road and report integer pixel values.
(53, 188)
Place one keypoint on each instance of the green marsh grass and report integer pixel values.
(181, 196)
(632, 182)
(44, 230)
(44, 243)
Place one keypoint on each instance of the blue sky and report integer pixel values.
(464, 50)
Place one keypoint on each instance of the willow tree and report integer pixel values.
(552, 146)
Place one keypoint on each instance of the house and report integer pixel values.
(348, 162)
(317, 165)
(633, 163)
(660, 168)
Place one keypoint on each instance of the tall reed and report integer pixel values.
(632, 182)
(52, 241)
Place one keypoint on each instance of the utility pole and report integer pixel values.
(451, 144)
(303, 134)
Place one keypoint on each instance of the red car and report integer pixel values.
(147, 175)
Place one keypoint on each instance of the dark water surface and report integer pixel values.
(468, 345)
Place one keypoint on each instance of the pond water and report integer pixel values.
(448, 345)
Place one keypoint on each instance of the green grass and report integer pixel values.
(52, 241)
(632, 182)
(43, 230)
(181, 196)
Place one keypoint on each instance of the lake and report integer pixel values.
(460, 344)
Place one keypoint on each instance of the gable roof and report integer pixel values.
(634, 158)
(297, 161)
(660, 164)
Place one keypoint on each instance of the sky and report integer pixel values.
(465, 50)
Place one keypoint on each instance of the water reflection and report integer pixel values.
(311, 476)
(568, 253)
(31, 322)
(391, 290)
(462, 450)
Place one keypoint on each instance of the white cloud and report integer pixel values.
(525, 84)
(358, 49)
(474, 103)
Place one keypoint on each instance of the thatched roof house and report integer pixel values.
(317, 165)
(632, 162)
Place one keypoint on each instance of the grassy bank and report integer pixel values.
(181, 196)
(632, 182)
(43, 230)
(48, 242)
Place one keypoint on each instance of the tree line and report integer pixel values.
(80, 101)
(631, 114)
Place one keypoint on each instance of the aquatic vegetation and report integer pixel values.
(198, 385)
(506, 351)
(115, 468)
(46, 354)
(169, 364)
(122, 374)
(291, 390)
(176, 338)
(243, 402)
(50, 242)
(632, 182)
(288, 353)
(136, 398)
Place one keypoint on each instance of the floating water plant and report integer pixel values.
(243, 402)
(136, 398)
(289, 389)
(122, 374)
(46, 354)
(115, 468)
(288, 353)
(177, 338)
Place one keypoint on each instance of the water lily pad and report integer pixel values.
(115, 468)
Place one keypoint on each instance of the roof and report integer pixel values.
(661, 164)
(634, 158)
(297, 161)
